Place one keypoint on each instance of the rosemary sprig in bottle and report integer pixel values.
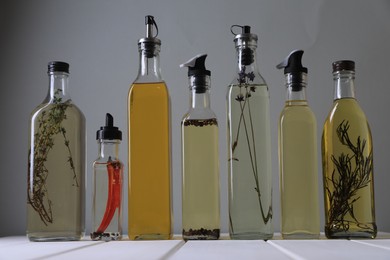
(351, 174)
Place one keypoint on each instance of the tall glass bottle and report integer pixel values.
(300, 217)
(149, 145)
(200, 158)
(249, 145)
(56, 164)
(347, 160)
(107, 184)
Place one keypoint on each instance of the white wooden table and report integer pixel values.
(18, 247)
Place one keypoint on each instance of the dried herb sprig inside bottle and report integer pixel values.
(347, 159)
(56, 164)
(200, 158)
(249, 145)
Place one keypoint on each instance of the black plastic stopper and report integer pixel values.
(109, 131)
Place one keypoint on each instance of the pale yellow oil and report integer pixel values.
(64, 196)
(362, 223)
(200, 200)
(298, 172)
(149, 194)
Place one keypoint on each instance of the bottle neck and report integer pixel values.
(344, 84)
(247, 71)
(296, 88)
(108, 149)
(246, 56)
(149, 63)
(58, 87)
(200, 92)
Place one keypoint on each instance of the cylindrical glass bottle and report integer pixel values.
(149, 196)
(249, 146)
(300, 217)
(200, 160)
(347, 159)
(56, 165)
(107, 184)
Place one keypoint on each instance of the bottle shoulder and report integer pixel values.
(346, 109)
(297, 113)
(149, 88)
(347, 112)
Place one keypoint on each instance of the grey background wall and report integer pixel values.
(99, 40)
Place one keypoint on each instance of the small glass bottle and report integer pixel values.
(56, 164)
(200, 158)
(347, 160)
(249, 145)
(300, 216)
(149, 142)
(107, 184)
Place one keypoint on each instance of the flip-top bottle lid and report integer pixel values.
(196, 66)
(293, 68)
(245, 33)
(59, 66)
(109, 131)
(293, 63)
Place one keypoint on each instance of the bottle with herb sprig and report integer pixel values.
(200, 158)
(347, 159)
(249, 145)
(56, 164)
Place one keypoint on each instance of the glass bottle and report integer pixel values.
(149, 196)
(300, 217)
(347, 160)
(200, 158)
(56, 164)
(249, 145)
(107, 184)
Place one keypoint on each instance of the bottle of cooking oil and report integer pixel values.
(347, 159)
(56, 164)
(249, 144)
(149, 195)
(200, 159)
(300, 217)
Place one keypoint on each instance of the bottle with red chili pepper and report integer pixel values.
(107, 184)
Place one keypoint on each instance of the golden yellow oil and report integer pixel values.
(362, 222)
(298, 172)
(149, 194)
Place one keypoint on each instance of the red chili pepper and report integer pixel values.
(114, 169)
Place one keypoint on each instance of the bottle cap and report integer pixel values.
(292, 66)
(59, 66)
(343, 65)
(245, 38)
(197, 69)
(293, 63)
(150, 41)
(196, 66)
(109, 131)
